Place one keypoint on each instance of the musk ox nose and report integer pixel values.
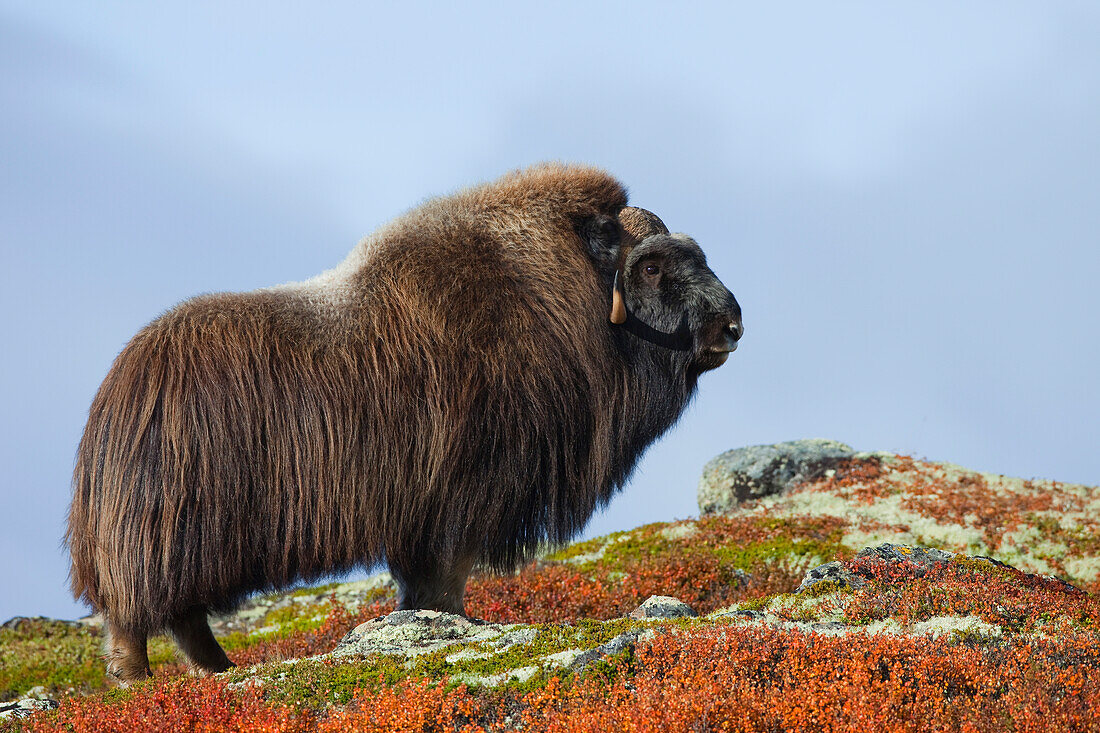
(730, 334)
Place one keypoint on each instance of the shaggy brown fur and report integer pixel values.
(452, 394)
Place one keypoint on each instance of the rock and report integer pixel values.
(17, 622)
(93, 621)
(763, 470)
(662, 607)
(26, 707)
(624, 642)
(38, 692)
(408, 634)
(412, 633)
(836, 572)
(833, 572)
(923, 556)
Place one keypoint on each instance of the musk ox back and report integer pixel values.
(471, 382)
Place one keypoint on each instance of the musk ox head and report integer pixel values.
(663, 293)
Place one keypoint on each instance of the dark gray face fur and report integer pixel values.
(666, 280)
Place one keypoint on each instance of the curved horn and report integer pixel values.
(640, 223)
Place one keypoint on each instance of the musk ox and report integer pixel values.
(472, 382)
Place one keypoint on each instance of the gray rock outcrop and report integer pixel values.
(763, 470)
(27, 706)
(412, 633)
(663, 607)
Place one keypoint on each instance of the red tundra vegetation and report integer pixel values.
(1031, 662)
(722, 677)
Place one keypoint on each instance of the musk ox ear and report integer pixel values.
(602, 236)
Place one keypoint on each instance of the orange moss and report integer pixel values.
(307, 643)
(970, 500)
(409, 706)
(705, 569)
(186, 704)
(753, 679)
(1000, 595)
(724, 677)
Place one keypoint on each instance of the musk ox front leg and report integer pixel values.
(126, 653)
(439, 586)
(195, 639)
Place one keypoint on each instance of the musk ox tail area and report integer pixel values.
(211, 467)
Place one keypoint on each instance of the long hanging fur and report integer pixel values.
(452, 390)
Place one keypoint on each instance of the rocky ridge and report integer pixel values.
(808, 539)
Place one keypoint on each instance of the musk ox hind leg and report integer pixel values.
(195, 639)
(126, 653)
(439, 587)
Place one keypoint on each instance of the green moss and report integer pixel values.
(161, 651)
(826, 587)
(314, 682)
(983, 567)
(317, 683)
(293, 612)
(577, 549)
(755, 604)
(974, 637)
(288, 620)
(316, 590)
(785, 550)
(49, 653)
(613, 667)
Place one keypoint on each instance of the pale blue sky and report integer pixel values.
(905, 199)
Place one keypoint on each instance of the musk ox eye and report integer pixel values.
(652, 270)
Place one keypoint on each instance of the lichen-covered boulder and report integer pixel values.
(662, 607)
(27, 706)
(414, 632)
(763, 470)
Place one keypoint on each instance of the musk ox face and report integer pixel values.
(668, 285)
(663, 293)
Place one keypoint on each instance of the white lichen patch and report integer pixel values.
(468, 653)
(521, 674)
(966, 627)
(887, 510)
(563, 658)
(679, 530)
(513, 638)
(885, 626)
(1082, 569)
(855, 537)
(819, 609)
